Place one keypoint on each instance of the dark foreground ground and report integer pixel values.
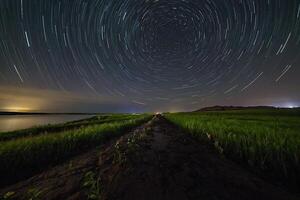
(156, 161)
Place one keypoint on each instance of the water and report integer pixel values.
(16, 122)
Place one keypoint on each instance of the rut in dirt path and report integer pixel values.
(169, 164)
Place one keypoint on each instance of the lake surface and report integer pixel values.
(16, 122)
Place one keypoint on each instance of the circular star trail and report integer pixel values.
(152, 53)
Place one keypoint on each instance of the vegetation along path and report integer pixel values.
(155, 161)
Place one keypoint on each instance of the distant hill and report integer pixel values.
(225, 108)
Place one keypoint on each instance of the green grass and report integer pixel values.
(46, 129)
(92, 186)
(267, 140)
(22, 157)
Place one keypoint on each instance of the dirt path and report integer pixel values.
(156, 161)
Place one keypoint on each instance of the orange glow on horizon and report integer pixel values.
(17, 109)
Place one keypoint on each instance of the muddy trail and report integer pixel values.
(155, 161)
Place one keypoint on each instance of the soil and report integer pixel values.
(155, 161)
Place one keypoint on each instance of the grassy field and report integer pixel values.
(23, 156)
(268, 140)
(38, 130)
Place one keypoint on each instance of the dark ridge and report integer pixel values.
(227, 108)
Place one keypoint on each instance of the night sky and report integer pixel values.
(148, 55)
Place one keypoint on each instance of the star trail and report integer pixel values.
(149, 55)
